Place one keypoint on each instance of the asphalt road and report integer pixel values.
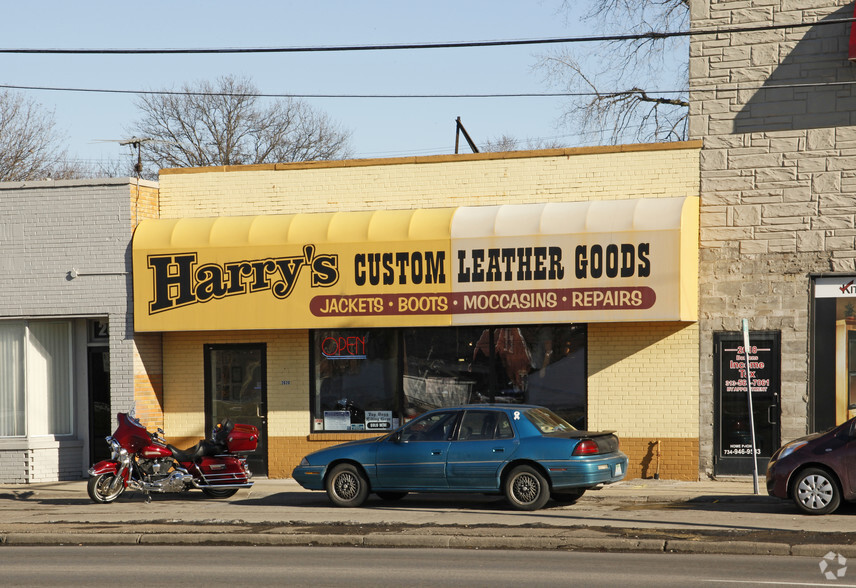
(372, 568)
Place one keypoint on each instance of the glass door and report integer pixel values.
(732, 377)
(236, 388)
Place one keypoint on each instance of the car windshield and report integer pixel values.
(548, 421)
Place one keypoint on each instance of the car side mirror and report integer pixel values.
(395, 437)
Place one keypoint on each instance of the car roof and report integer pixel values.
(505, 407)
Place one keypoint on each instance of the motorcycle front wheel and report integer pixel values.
(99, 488)
(219, 492)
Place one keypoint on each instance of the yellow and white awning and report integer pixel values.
(606, 261)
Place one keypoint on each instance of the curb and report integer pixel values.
(608, 544)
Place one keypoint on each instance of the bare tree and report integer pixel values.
(510, 143)
(30, 148)
(622, 81)
(225, 124)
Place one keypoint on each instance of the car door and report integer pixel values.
(415, 457)
(485, 441)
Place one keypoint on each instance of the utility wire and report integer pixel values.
(693, 88)
(651, 35)
(300, 95)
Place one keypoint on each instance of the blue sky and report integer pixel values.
(380, 128)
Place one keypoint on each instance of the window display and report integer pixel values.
(375, 379)
(355, 385)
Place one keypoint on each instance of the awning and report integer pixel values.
(606, 261)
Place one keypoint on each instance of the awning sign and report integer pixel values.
(612, 261)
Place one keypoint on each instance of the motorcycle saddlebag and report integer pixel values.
(222, 470)
(243, 439)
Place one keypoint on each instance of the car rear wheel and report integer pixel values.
(568, 496)
(347, 485)
(816, 491)
(526, 488)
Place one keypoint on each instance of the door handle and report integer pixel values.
(771, 414)
(436, 452)
(498, 450)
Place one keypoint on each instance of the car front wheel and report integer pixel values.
(816, 492)
(526, 488)
(347, 486)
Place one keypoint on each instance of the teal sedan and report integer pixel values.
(526, 453)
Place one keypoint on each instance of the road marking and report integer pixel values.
(776, 583)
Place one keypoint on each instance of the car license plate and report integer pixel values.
(618, 470)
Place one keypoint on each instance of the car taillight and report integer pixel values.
(586, 447)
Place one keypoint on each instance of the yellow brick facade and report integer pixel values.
(642, 379)
(561, 175)
(643, 384)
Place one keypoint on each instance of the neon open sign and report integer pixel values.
(344, 347)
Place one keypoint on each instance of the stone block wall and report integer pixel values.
(774, 109)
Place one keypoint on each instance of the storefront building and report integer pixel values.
(330, 301)
(67, 350)
(778, 222)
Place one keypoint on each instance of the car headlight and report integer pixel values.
(304, 462)
(791, 447)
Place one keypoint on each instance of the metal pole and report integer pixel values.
(751, 413)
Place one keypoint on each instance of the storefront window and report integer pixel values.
(356, 380)
(35, 378)
(12, 398)
(440, 369)
(851, 370)
(360, 384)
(833, 375)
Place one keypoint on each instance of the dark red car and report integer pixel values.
(817, 471)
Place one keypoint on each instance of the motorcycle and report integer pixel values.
(143, 461)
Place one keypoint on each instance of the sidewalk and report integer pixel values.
(722, 516)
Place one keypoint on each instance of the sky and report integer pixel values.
(93, 122)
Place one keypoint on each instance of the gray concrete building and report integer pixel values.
(775, 108)
(67, 349)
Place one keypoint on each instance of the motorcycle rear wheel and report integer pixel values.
(219, 492)
(98, 489)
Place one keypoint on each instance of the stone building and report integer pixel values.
(775, 110)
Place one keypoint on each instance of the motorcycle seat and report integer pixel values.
(202, 449)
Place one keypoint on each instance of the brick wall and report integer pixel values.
(287, 384)
(562, 175)
(778, 183)
(48, 229)
(643, 378)
(148, 347)
(643, 384)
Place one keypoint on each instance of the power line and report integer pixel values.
(650, 35)
(709, 87)
(306, 95)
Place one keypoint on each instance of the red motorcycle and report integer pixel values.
(144, 461)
